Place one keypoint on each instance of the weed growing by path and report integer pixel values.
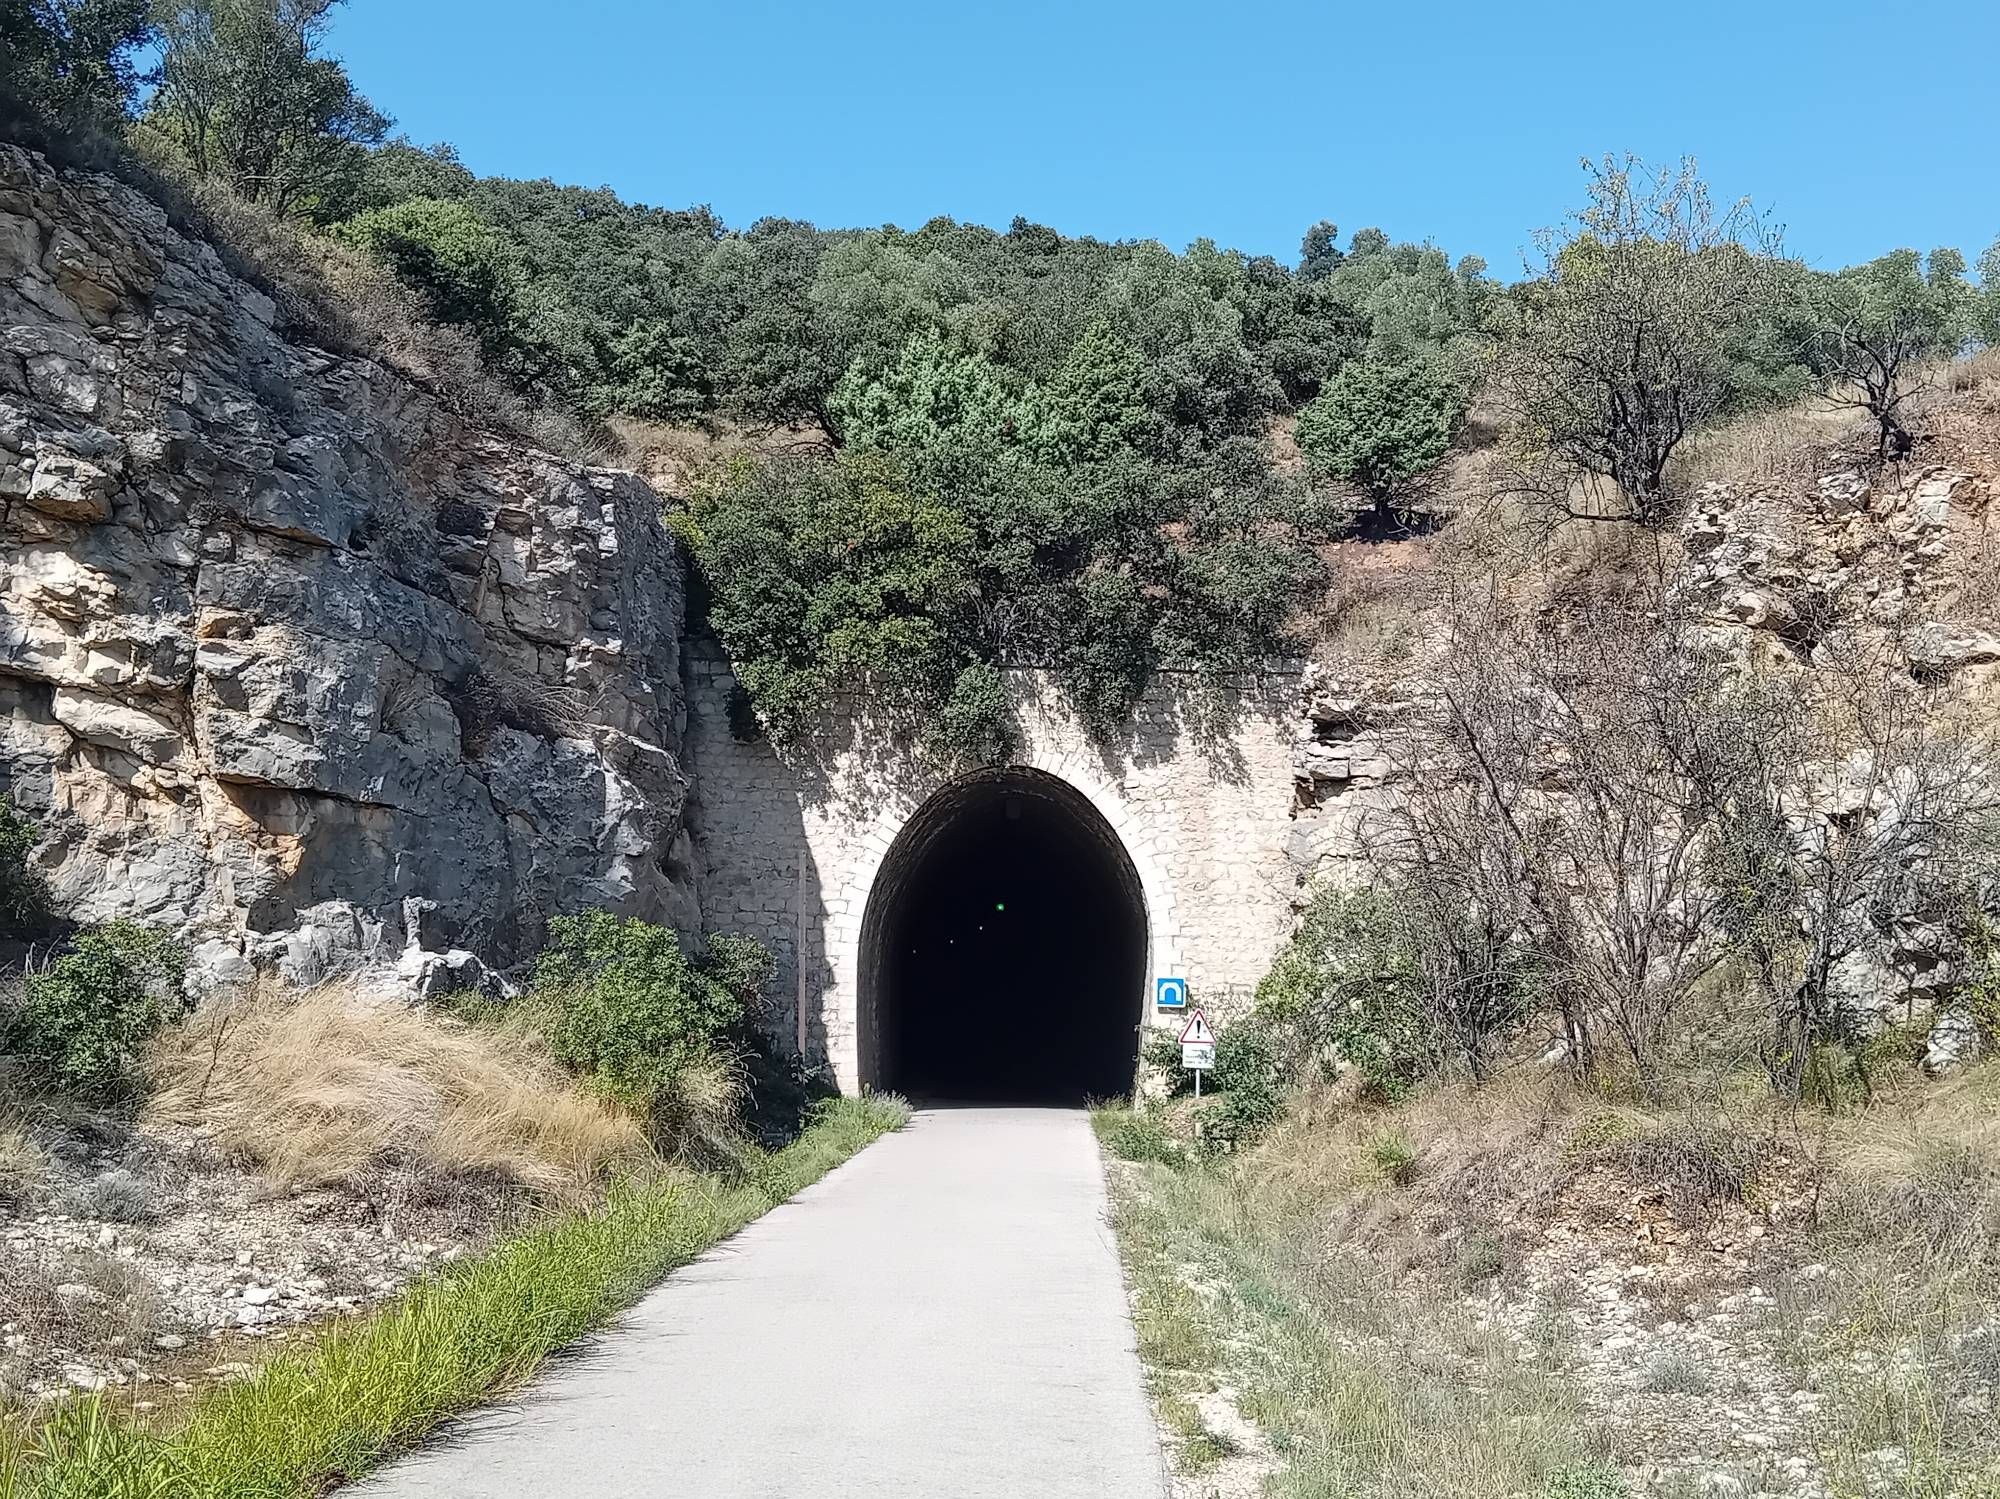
(365, 1390)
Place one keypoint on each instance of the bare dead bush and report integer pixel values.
(487, 701)
(1559, 796)
(80, 1300)
(1694, 1164)
(1839, 800)
(1611, 794)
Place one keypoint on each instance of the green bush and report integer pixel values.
(1395, 1157)
(1135, 1134)
(83, 1019)
(1345, 987)
(24, 898)
(459, 264)
(1400, 983)
(1250, 1083)
(650, 1027)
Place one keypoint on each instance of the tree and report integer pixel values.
(1841, 799)
(1319, 251)
(1871, 330)
(1384, 427)
(457, 262)
(243, 97)
(1626, 342)
(943, 413)
(71, 64)
(834, 574)
(1201, 376)
(1986, 310)
(1095, 408)
(1559, 803)
(400, 171)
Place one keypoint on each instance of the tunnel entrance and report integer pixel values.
(1003, 950)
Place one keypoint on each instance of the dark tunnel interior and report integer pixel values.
(1003, 949)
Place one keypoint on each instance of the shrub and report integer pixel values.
(1346, 987)
(1394, 1156)
(650, 1027)
(1477, 1258)
(84, 1018)
(1384, 426)
(1674, 1373)
(115, 1196)
(1250, 1085)
(1136, 1135)
(24, 897)
(454, 260)
(1692, 1165)
(1585, 1481)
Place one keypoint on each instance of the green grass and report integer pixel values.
(367, 1389)
(1135, 1134)
(1367, 1387)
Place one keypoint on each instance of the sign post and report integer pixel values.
(1197, 1047)
(1170, 993)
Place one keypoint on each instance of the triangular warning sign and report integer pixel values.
(1196, 1031)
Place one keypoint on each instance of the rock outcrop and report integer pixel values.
(291, 660)
(1898, 567)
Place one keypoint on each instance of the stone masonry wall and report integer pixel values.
(788, 845)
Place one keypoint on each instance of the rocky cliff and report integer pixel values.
(290, 659)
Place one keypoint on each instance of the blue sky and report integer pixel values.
(1861, 126)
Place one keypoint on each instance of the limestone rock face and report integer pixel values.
(284, 646)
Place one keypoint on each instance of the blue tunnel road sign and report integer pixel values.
(1170, 993)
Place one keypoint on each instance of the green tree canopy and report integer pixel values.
(71, 63)
(462, 267)
(1384, 426)
(244, 95)
(1630, 340)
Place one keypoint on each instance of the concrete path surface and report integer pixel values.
(942, 1317)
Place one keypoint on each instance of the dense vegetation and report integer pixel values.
(1022, 447)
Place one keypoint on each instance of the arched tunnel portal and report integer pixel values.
(1003, 948)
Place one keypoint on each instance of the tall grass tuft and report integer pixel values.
(320, 1086)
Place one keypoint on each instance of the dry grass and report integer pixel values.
(328, 1085)
(1369, 1385)
(1783, 446)
(674, 457)
(1350, 1234)
(22, 1164)
(79, 1301)
(1945, 1133)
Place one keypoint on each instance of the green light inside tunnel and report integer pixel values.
(999, 905)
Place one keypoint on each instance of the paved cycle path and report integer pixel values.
(942, 1317)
